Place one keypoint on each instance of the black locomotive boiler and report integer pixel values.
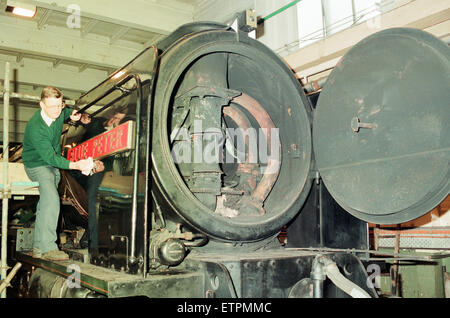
(225, 149)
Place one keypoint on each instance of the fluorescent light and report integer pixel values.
(20, 9)
(23, 12)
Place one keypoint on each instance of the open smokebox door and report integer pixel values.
(381, 130)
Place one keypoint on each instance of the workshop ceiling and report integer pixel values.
(100, 35)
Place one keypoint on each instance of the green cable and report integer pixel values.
(267, 17)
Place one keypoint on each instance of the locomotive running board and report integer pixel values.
(238, 274)
(115, 284)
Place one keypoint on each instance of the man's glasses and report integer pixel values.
(55, 107)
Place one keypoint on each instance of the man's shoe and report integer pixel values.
(55, 255)
(36, 253)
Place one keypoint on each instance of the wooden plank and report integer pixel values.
(18, 180)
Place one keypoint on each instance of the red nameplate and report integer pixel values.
(110, 142)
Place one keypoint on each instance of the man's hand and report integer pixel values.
(82, 165)
(85, 119)
(98, 166)
(75, 116)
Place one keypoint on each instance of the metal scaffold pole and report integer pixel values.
(6, 187)
(33, 98)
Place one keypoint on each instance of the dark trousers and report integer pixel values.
(91, 185)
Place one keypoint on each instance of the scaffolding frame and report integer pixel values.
(6, 190)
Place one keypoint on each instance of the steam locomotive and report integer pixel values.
(220, 149)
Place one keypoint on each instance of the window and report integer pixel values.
(320, 18)
(310, 21)
(338, 15)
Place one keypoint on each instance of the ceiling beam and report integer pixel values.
(145, 15)
(19, 57)
(153, 41)
(82, 68)
(57, 63)
(86, 28)
(60, 43)
(44, 18)
(42, 73)
(121, 31)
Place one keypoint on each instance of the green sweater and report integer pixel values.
(41, 143)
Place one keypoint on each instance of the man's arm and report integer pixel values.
(82, 165)
(41, 142)
(73, 114)
(45, 150)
